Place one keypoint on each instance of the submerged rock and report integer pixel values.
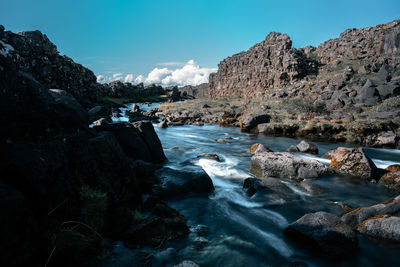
(325, 234)
(177, 183)
(353, 162)
(213, 156)
(286, 165)
(254, 185)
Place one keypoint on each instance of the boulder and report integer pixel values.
(252, 120)
(353, 162)
(146, 131)
(257, 148)
(221, 141)
(325, 234)
(355, 217)
(286, 165)
(391, 180)
(368, 94)
(292, 148)
(383, 227)
(130, 140)
(178, 183)
(306, 147)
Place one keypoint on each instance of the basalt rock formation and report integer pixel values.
(359, 67)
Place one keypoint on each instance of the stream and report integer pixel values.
(248, 231)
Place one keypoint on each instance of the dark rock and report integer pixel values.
(286, 165)
(162, 124)
(292, 148)
(254, 185)
(253, 120)
(146, 131)
(177, 183)
(324, 233)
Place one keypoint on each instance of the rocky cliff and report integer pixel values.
(275, 64)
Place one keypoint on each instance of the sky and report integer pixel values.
(181, 41)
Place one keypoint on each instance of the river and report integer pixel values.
(248, 231)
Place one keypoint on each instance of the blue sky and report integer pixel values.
(135, 37)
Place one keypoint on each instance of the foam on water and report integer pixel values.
(224, 169)
(296, 190)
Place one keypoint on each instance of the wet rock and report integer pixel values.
(254, 185)
(391, 180)
(329, 154)
(353, 162)
(101, 122)
(324, 233)
(310, 187)
(221, 141)
(178, 183)
(251, 121)
(286, 165)
(257, 148)
(200, 242)
(306, 147)
(393, 168)
(383, 227)
(187, 264)
(213, 156)
(357, 216)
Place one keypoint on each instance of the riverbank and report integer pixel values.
(377, 126)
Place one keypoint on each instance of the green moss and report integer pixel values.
(94, 207)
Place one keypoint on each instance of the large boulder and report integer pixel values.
(146, 131)
(178, 183)
(130, 140)
(252, 120)
(357, 216)
(353, 162)
(286, 165)
(325, 234)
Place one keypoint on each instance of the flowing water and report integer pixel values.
(248, 231)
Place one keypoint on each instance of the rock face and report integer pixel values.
(271, 63)
(285, 165)
(353, 162)
(35, 54)
(325, 234)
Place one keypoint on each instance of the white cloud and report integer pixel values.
(156, 75)
(189, 74)
(129, 78)
(100, 78)
(140, 79)
(117, 76)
